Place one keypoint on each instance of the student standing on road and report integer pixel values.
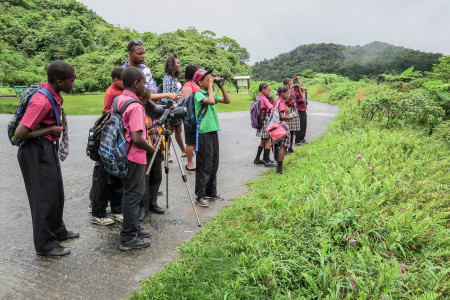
(106, 187)
(153, 180)
(299, 93)
(40, 164)
(208, 139)
(189, 87)
(171, 84)
(133, 118)
(264, 145)
(293, 124)
(284, 95)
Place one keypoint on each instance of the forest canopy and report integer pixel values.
(35, 32)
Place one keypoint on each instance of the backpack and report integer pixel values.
(112, 150)
(256, 118)
(95, 134)
(22, 107)
(189, 120)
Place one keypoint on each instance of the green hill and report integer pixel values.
(354, 62)
(35, 32)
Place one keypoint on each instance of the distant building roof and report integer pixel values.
(241, 77)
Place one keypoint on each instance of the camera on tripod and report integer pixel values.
(171, 110)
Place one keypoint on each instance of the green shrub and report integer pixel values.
(396, 109)
(343, 91)
(440, 92)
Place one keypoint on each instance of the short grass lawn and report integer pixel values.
(93, 104)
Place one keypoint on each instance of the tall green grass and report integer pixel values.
(331, 227)
(360, 213)
(93, 104)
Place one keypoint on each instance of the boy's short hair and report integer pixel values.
(132, 44)
(286, 81)
(130, 75)
(147, 93)
(282, 89)
(117, 73)
(59, 69)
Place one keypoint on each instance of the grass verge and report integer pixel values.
(93, 104)
(359, 214)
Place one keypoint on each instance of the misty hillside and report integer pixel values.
(354, 62)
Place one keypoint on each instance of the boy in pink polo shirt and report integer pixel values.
(133, 118)
(39, 162)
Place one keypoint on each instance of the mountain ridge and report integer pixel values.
(355, 62)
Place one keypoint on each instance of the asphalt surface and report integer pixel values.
(96, 268)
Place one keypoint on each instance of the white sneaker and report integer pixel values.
(118, 217)
(102, 221)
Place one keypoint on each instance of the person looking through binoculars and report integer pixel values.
(208, 140)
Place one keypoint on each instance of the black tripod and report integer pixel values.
(166, 134)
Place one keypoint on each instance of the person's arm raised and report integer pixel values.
(226, 98)
(210, 100)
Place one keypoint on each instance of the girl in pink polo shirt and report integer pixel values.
(294, 124)
(284, 94)
(265, 109)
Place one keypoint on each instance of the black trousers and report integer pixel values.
(133, 190)
(105, 187)
(43, 182)
(300, 135)
(152, 183)
(207, 164)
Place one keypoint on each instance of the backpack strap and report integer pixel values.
(114, 110)
(50, 97)
(121, 111)
(202, 112)
(125, 105)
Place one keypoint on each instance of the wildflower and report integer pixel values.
(373, 166)
(353, 242)
(360, 157)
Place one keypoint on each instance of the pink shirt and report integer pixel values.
(133, 119)
(300, 102)
(40, 111)
(282, 106)
(195, 88)
(266, 106)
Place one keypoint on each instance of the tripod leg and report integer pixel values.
(183, 176)
(158, 145)
(166, 169)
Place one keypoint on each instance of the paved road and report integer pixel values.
(96, 268)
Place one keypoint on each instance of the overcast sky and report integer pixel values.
(268, 28)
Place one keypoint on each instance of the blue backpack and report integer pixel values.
(22, 107)
(112, 151)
